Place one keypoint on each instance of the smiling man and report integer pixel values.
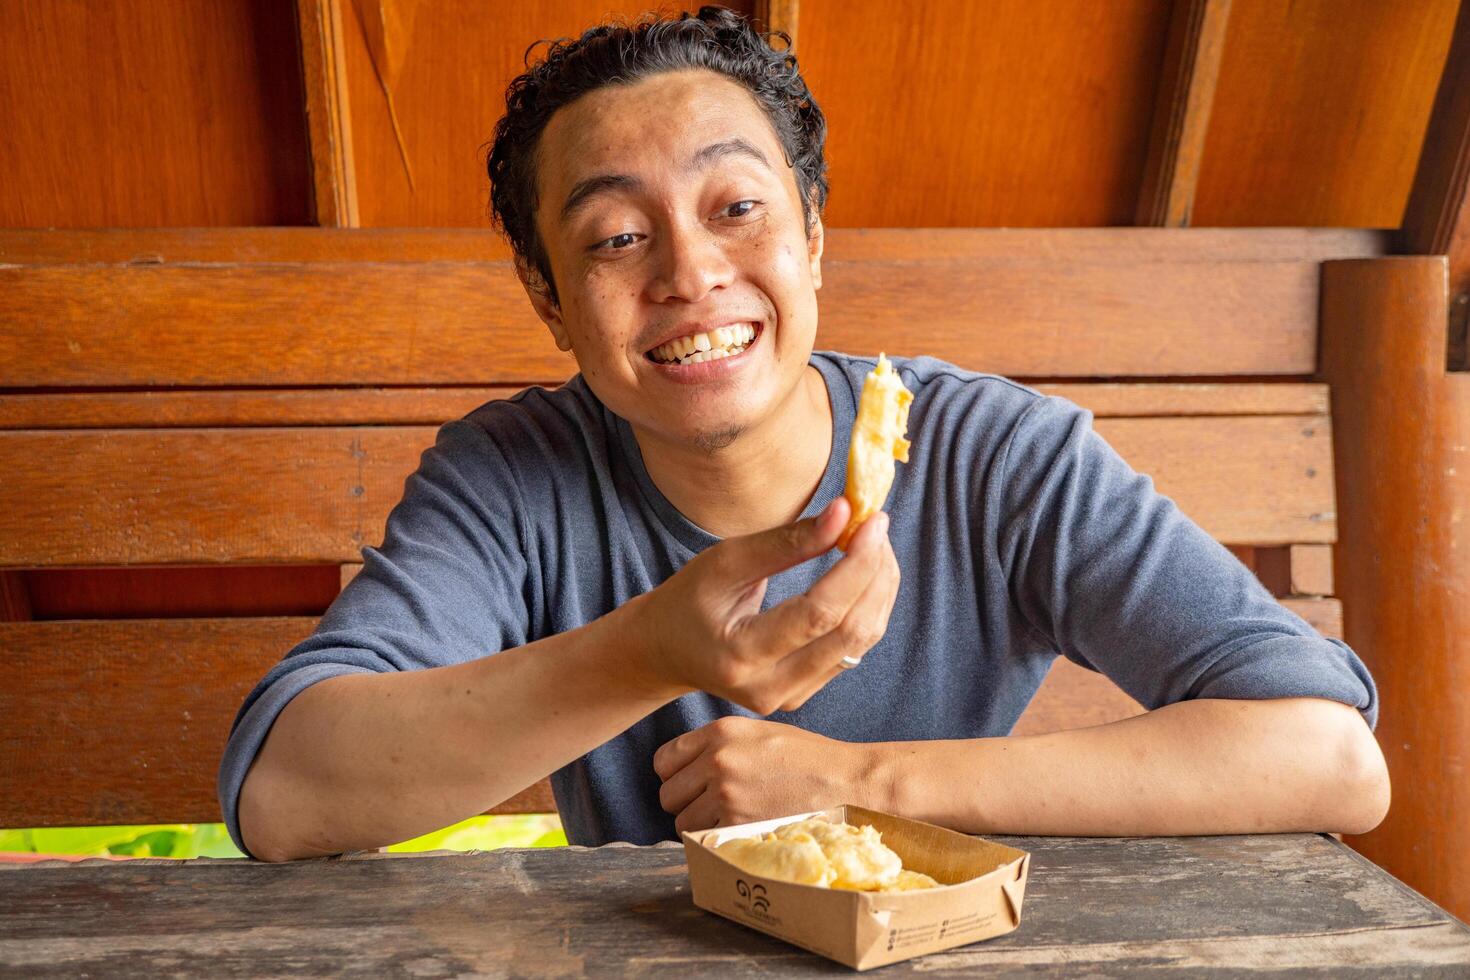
(630, 582)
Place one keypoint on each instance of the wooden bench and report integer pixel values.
(246, 404)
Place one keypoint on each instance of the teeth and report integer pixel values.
(707, 346)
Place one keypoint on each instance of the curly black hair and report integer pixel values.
(715, 38)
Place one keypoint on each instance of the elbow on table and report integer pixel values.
(264, 827)
(1363, 788)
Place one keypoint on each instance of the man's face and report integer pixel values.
(692, 221)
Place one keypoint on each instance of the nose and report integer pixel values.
(691, 262)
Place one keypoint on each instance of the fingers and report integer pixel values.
(677, 753)
(749, 557)
(822, 609)
(809, 669)
(682, 788)
(704, 812)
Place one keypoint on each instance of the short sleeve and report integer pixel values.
(1115, 576)
(447, 586)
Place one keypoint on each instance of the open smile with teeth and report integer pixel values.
(711, 346)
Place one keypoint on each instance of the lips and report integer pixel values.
(715, 368)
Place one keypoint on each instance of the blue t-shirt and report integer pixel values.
(1019, 532)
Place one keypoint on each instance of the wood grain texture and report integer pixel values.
(1402, 437)
(1297, 904)
(337, 323)
(1075, 697)
(328, 113)
(458, 57)
(1003, 113)
(1437, 216)
(1300, 569)
(122, 722)
(434, 406)
(151, 112)
(778, 15)
(203, 495)
(188, 591)
(15, 598)
(162, 742)
(1320, 109)
(320, 494)
(1110, 245)
(1182, 112)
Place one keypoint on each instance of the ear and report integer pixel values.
(540, 296)
(814, 244)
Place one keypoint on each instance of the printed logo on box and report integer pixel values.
(754, 901)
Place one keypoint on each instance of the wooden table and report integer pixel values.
(1212, 906)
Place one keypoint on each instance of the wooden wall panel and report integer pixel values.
(142, 592)
(447, 66)
(140, 113)
(1320, 111)
(1008, 112)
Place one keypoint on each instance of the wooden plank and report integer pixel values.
(349, 572)
(1437, 215)
(1182, 112)
(85, 742)
(1311, 569)
(1247, 480)
(1297, 570)
(309, 495)
(1245, 905)
(469, 323)
(152, 246)
(19, 246)
(328, 112)
(1290, 109)
(434, 406)
(15, 598)
(1146, 399)
(140, 114)
(1322, 614)
(203, 495)
(1074, 697)
(261, 407)
(1402, 425)
(778, 15)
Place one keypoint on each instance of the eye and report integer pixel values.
(744, 212)
(611, 243)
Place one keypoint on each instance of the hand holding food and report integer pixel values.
(877, 440)
(702, 629)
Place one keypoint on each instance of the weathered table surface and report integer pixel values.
(1212, 906)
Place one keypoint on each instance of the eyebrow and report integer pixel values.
(586, 189)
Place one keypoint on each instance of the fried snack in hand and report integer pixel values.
(877, 440)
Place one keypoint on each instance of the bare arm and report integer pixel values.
(1193, 767)
(361, 760)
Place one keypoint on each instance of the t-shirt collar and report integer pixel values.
(843, 400)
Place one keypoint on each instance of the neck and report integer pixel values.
(764, 478)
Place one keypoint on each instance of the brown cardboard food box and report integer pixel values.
(984, 885)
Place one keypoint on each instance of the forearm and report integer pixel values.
(363, 760)
(1195, 767)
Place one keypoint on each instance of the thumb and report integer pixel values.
(754, 556)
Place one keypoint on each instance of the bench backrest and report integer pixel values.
(203, 399)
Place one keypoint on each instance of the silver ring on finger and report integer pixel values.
(848, 663)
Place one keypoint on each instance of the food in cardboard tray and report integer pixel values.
(831, 855)
(877, 440)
